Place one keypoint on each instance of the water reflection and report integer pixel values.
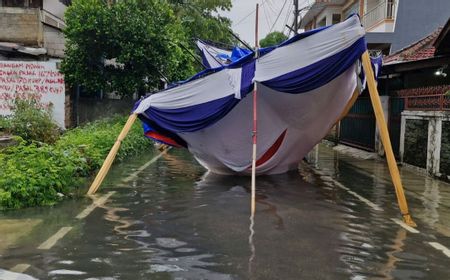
(251, 245)
(174, 221)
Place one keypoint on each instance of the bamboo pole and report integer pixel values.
(254, 134)
(112, 154)
(381, 122)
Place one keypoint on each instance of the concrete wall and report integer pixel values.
(425, 141)
(54, 41)
(415, 142)
(55, 7)
(20, 25)
(444, 164)
(91, 109)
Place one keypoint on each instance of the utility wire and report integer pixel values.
(278, 16)
(265, 15)
(288, 15)
(249, 14)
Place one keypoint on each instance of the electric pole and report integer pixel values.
(296, 12)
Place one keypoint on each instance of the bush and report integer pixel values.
(37, 174)
(30, 122)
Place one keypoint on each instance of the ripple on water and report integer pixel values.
(169, 242)
(165, 268)
(6, 274)
(66, 272)
(185, 250)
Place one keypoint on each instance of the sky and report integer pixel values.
(242, 15)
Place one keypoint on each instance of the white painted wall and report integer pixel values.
(22, 80)
(386, 26)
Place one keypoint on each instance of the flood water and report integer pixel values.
(176, 221)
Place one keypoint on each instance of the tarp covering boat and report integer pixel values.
(303, 87)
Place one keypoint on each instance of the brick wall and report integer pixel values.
(20, 25)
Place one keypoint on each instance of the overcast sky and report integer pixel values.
(243, 17)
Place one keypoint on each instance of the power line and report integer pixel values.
(288, 15)
(265, 15)
(249, 14)
(278, 16)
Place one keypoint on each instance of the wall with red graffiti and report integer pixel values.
(32, 80)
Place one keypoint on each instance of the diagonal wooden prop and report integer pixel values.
(381, 123)
(112, 154)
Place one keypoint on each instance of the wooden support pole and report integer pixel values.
(381, 122)
(112, 154)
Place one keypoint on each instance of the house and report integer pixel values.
(417, 81)
(390, 24)
(410, 35)
(31, 47)
(32, 29)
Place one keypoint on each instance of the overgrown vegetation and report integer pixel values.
(37, 173)
(30, 122)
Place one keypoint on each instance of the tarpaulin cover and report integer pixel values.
(303, 87)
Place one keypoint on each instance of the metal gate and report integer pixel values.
(358, 127)
(396, 107)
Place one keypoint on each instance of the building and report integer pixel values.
(32, 29)
(31, 47)
(414, 85)
(417, 81)
(390, 24)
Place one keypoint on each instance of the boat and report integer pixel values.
(303, 86)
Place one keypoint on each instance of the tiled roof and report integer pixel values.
(419, 50)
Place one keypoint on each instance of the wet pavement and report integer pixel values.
(170, 219)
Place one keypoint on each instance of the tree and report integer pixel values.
(201, 19)
(272, 39)
(125, 47)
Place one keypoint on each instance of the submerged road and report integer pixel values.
(166, 218)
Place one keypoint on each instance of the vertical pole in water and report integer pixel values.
(254, 132)
(381, 122)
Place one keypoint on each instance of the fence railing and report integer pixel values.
(384, 10)
(436, 102)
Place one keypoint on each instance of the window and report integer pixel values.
(321, 23)
(336, 18)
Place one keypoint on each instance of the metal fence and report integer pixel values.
(436, 102)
